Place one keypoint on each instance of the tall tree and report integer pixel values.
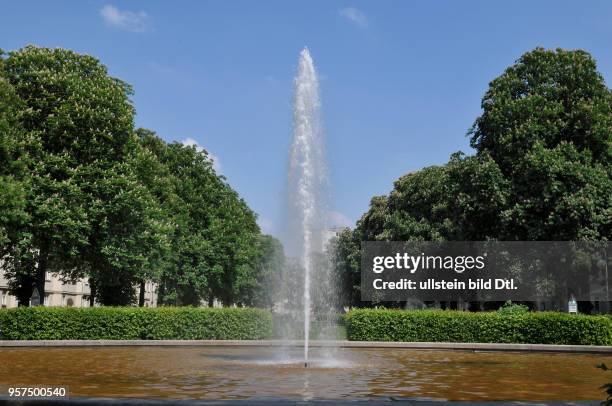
(478, 193)
(547, 124)
(215, 242)
(14, 187)
(345, 252)
(161, 184)
(233, 235)
(257, 287)
(542, 169)
(57, 225)
(186, 280)
(88, 214)
(546, 97)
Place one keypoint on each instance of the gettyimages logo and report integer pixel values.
(413, 263)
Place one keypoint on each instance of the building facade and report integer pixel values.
(66, 294)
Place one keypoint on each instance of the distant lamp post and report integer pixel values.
(572, 305)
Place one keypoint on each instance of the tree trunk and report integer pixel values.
(23, 290)
(41, 273)
(92, 292)
(141, 297)
(211, 301)
(161, 293)
(227, 297)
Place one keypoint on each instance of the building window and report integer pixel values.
(70, 302)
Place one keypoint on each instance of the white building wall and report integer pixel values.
(58, 293)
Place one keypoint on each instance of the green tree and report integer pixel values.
(547, 97)
(256, 287)
(130, 236)
(418, 206)
(161, 185)
(345, 252)
(13, 172)
(558, 194)
(234, 234)
(56, 224)
(477, 194)
(192, 193)
(88, 214)
(547, 124)
(541, 169)
(214, 244)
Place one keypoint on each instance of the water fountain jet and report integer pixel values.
(307, 179)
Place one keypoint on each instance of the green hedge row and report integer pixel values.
(129, 323)
(489, 327)
(49, 323)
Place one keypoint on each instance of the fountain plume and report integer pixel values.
(307, 182)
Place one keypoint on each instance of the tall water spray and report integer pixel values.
(307, 180)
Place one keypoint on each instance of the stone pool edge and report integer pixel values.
(596, 349)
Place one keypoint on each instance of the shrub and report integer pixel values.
(130, 323)
(488, 327)
(510, 308)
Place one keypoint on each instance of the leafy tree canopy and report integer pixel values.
(542, 168)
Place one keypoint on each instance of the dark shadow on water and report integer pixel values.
(82, 401)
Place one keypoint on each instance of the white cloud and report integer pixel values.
(354, 15)
(216, 162)
(190, 142)
(134, 21)
(337, 219)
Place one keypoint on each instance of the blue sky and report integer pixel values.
(401, 80)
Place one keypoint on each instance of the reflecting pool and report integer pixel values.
(259, 372)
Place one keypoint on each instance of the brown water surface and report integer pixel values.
(254, 372)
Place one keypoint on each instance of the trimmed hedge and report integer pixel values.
(130, 323)
(489, 327)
